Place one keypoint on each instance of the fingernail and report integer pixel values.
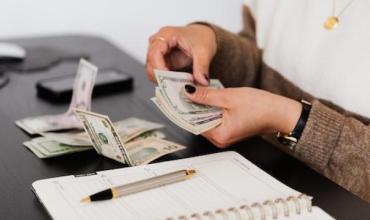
(190, 89)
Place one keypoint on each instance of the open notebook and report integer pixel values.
(226, 186)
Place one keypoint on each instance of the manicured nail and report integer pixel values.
(190, 89)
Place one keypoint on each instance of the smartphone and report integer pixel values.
(108, 81)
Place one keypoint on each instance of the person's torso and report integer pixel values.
(329, 64)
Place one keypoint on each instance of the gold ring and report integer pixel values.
(159, 38)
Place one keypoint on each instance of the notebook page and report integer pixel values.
(223, 180)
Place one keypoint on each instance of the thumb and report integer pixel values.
(206, 95)
(201, 64)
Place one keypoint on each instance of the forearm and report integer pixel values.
(337, 146)
(334, 142)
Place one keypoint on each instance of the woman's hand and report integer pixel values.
(247, 112)
(174, 48)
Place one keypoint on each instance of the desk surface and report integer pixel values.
(19, 167)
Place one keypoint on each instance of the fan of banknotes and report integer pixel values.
(170, 99)
(131, 141)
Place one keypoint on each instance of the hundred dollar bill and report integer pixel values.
(170, 99)
(81, 98)
(45, 148)
(104, 136)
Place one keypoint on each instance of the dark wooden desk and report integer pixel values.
(19, 167)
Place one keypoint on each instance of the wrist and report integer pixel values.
(208, 31)
(286, 114)
(292, 137)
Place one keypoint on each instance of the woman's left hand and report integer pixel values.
(247, 112)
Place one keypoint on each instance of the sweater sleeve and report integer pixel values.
(238, 60)
(334, 142)
(338, 146)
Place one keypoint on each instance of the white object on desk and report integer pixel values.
(226, 185)
(9, 51)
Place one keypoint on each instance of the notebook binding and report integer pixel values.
(300, 204)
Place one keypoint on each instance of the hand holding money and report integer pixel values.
(192, 46)
(170, 99)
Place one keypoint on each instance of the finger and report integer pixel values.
(150, 72)
(149, 69)
(177, 60)
(156, 55)
(206, 96)
(201, 64)
(215, 136)
(210, 134)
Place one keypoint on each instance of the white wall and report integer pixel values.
(127, 23)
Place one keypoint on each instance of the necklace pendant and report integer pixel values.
(331, 23)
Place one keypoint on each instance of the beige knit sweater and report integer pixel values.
(335, 142)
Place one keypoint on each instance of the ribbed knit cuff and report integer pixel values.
(320, 136)
(222, 36)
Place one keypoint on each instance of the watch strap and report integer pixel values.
(292, 138)
(299, 127)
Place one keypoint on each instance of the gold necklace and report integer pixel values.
(333, 21)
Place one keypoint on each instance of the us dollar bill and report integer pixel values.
(149, 134)
(104, 136)
(171, 86)
(69, 138)
(131, 128)
(83, 139)
(146, 150)
(141, 151)
(44, 147)
(171, 100)
(107, 142)
(81, 98)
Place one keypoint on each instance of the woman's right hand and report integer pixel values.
(173, 48)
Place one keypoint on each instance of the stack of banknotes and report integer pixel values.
(170, 99)
(132, 141)
(141, 139)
